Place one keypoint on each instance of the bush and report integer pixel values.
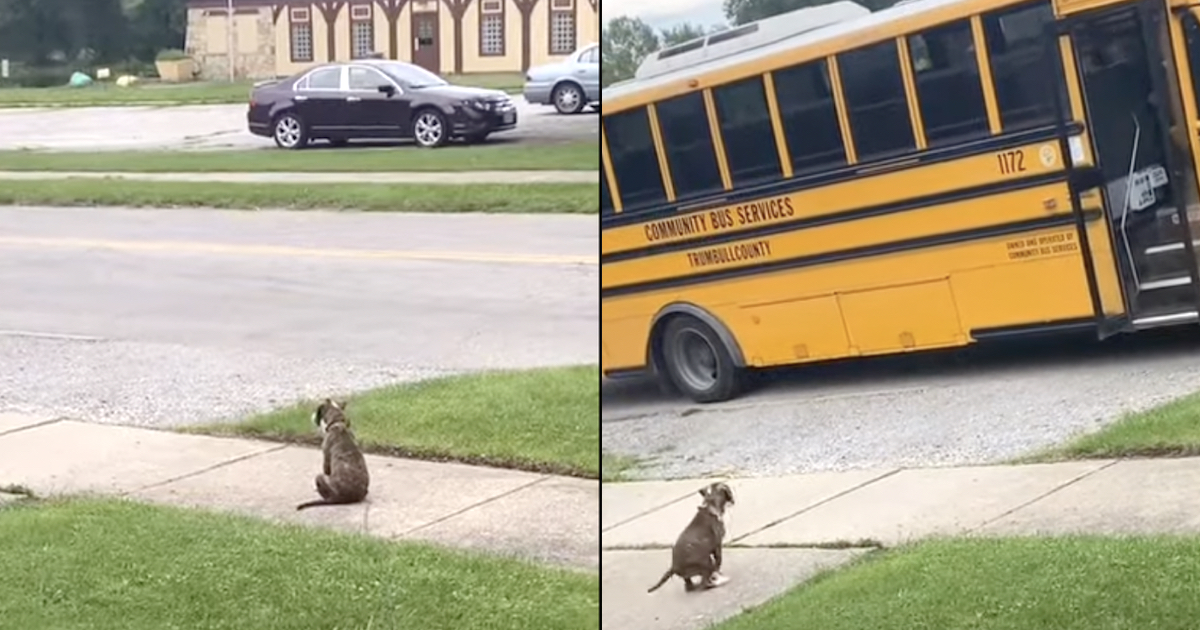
(38, 76)
(171, 54)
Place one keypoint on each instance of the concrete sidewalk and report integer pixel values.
(540, 517)
(407, 177)
(860, 510)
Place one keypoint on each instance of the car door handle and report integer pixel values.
(353, 99)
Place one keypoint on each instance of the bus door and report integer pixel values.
(1145, 173)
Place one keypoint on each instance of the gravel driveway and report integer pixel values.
(979, 406)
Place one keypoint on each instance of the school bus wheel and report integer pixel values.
(697, 362)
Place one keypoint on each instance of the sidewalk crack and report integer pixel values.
(195, 473)
(1068, 483)
(818, 504)
(473, 506)
(35, 425)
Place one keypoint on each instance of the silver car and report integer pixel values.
(569, 85)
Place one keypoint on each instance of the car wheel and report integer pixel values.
(429, 128)
(568, 98)
(697, 361)
(476, 138)
(290, 132)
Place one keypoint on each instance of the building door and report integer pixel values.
(425, 41)
(1149, 180)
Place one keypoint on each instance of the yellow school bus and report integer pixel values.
(833, 183)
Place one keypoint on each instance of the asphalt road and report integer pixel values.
(202, 127)
(982, 405)
(167, 317)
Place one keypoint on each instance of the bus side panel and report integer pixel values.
(794, 330)
(1013, 280)
(892, 319)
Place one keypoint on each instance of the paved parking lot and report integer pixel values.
(215, 127)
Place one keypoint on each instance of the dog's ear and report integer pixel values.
(704, 492)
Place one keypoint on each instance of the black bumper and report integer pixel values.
(467, 123)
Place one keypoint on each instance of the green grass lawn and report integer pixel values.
(117, 565)
(493, 198)
(1170, 430)
(566, 156)
(198, 93)
(543, 420)
(1007, 584)
(613, 467)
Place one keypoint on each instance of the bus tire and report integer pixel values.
(697, 362)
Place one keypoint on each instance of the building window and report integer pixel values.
(491, 28)
(362, 31)
(562, 27)
(301, 35)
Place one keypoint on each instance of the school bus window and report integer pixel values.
(634, 162)
(949, 90)
(1191, 31)
(875, 101)
(683, 121)
(746, 131)
(606, 204)
(810, 121)
(1020, 70)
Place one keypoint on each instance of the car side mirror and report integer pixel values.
(390, 90)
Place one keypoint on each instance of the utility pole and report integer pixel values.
(229, 38)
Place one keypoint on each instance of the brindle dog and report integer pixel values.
(697, 551)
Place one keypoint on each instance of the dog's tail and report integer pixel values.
(315, 503)
(666, 576)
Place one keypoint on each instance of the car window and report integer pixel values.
(367, 79)
(591, 56)
(412, 76)
(325, 79)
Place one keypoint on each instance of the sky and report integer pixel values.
(665, 13)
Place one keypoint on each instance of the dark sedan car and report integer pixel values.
(371, 98)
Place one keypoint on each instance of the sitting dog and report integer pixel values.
(697, 551)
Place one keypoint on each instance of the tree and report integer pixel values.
(743, 11)
(624, 43)
(680, 33)
(157, 25)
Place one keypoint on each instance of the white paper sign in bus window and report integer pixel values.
(1141, 191)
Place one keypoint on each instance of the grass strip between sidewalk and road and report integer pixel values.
(103, 94)
(614, 467)
(440, 198)
(1073, 583)
(514, 156)
(120, 565)
(541, 420)
(1168, 430)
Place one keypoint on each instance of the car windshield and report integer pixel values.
(413, 76)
